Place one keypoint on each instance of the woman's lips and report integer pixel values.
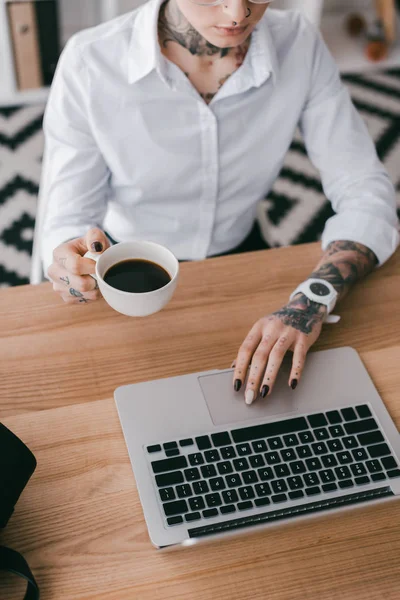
(231, 31)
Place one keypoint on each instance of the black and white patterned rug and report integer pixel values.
(294, 212)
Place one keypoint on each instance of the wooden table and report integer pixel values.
(79, 521)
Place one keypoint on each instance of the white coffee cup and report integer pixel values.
(130, 303)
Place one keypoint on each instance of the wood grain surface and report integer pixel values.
(79, 522)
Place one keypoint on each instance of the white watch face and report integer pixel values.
(319, 289)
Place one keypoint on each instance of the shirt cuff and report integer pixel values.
(357, 226)
(59, 236)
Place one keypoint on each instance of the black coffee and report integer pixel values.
(137, 276)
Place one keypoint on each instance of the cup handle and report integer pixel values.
(94, 257)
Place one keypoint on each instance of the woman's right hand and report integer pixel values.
(70, 272)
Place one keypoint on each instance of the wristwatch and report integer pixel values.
(322, 292)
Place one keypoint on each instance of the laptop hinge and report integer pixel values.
(294, 511)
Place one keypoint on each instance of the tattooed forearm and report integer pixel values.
(301, 313)
(77, 294)
(344, 263)
(65, 279)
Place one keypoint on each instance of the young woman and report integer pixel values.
(171, 122)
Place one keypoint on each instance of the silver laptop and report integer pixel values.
(208, 466)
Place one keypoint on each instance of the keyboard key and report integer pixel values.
(272, 458)
(175, 508)
(262, 501)
(243, 449)
(373, 466)
(170, 446)
(303, 451)
(321, 434)
(306, 437)
(154, 448)
(288, 454)
(192, 474)
(203, 442)
(230, 496)
(213, 499)
(378, 476)
(372, 437)
(217, 483)
(378, 450)
(169, 464)
(224, 468)
(227, 509)
(344, 458)
(329, 460)
(336, 431)
(169, 479)
(350, 442)
(249, 477)
(291, 440)
(212, 456)
(241, 464)
(196, 503)
(393, 473)
(257, 461)
(279, 498)
(342, 472)
(362, 480)
(167, 494)
(327, 475)
(329, 487)
(200, 487)
(363, 411)
(266, 430)
(334, 417)
(196, 459)
(265, 474)
(296, 494)
(228, 452)
(348, 414)
(318, 420)
(262, 489)
(233, 480)
(279, 485)
(208, 471)
(295, 482)
(298, 467)
(360, 426)
(259, 446)
(359, 454)
(172, 452)
(174, 520)
(221, 439)
(358, 469)
(313, 464)
(210, 512)
(334, 445)
(186, 442)
(275, 443)
(245, 505)
(345, 483)
(282, 470)
(192, 517)
(319, 448)
(246, 493)
(183, 490)
(389, 462)
(311, 491)
(311, 479)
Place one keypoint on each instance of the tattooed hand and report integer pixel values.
(70, 272)
(296, 326)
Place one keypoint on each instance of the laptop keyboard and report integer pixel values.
(270, 464)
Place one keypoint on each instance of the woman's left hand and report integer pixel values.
(294, 327)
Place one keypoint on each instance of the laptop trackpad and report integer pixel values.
(227, 406)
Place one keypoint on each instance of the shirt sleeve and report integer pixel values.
(340, 147)
(75, 178)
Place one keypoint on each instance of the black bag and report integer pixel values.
(17, 464)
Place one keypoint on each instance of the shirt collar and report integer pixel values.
(145, 53)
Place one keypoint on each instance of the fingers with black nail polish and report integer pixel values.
(293, 384)
(237, 385)
(264, 391)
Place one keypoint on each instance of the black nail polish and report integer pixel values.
(264, 391)
(293, 385)
(97, 246)
(237, 385)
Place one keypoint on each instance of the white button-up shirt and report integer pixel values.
(131, 147)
